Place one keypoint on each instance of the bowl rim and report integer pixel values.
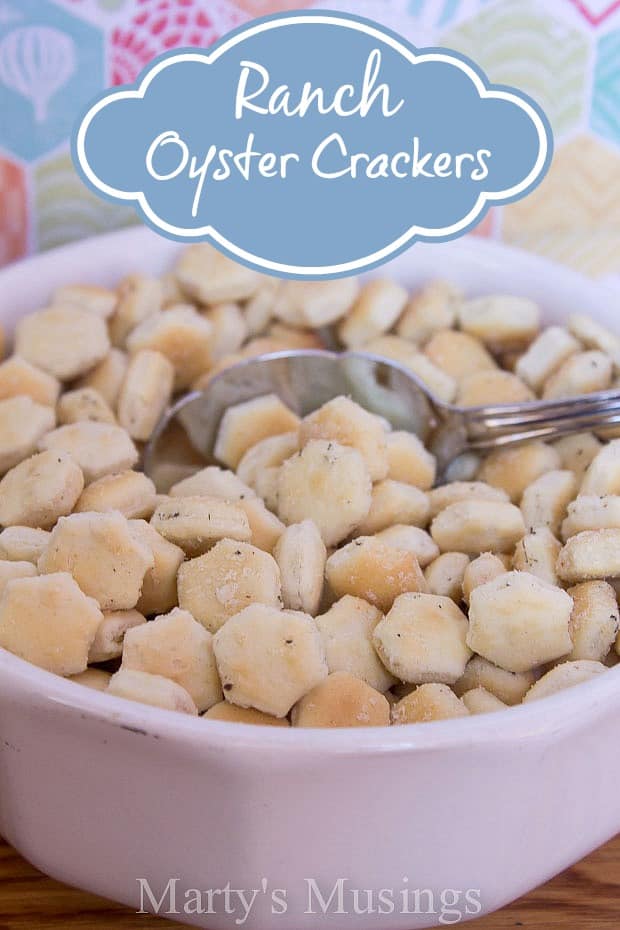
(135, 239)
(558, 714)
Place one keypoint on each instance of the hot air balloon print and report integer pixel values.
(36, 61)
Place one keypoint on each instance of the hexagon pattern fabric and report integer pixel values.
(605, 119)
(574, 216)
(57, 54)
(516, 43)
(51, 65)
(13, 212)
(66, 210)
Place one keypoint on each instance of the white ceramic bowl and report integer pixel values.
(99, 792)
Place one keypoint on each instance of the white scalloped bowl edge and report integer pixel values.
(99, 792)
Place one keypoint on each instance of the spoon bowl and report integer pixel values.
(305, 379)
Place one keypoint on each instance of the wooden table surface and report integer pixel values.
(586, 897)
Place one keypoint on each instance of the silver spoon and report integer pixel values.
(307, 378)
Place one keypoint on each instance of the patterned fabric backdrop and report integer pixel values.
(57, 54)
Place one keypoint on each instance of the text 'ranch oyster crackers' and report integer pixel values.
(317, 576)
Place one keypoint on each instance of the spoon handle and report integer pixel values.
(490, 427)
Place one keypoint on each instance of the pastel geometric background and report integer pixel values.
(57, 54)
